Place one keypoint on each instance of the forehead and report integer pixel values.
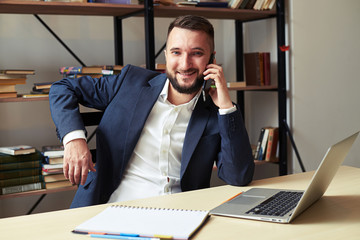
(180, 38)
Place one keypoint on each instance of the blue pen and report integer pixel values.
(123, 236)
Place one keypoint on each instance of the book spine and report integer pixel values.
(70, 70)
(258, 146)
(22, 188)
(272, 146)
(5, 158)
(19, 173)
(263, 145)
(267, 73)
(20, 181)
(20, 165)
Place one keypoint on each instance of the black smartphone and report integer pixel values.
(207, 83)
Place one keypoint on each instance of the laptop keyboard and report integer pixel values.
(277, 205)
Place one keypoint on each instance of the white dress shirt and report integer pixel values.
(154, 167)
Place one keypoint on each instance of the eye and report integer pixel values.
(198, 54)
(175, 53)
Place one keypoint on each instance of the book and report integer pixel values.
(20, 181)
(243, 4)
(257, 68)
(8, 95)
(53, 150)
(114, 1)
(235, 4)
(20, 173)
(54, 178)
(21, 165)
(236, 84)
(12, 76)
(46, 172)
(145, 222)
(12, 81)
(44, 85)
(267, 73)
(22, 188)
(17, 72)
(272, 145)
(33, 95)
(6, 158)
(46, 166)
(258, 144)
(264, 141)
(213, 4)
(58, 184)
(96, 69)
(54, 160)
(252, 68)
(17, 150)
(7, 88)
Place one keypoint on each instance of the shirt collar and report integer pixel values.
(164, 95)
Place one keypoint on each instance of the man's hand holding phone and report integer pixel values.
(214, 75)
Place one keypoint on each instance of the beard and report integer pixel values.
(194, 88)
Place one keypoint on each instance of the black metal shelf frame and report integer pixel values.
(148, 13)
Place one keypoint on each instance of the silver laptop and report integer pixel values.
(264, 203)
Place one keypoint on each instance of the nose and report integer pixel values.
(186, 61)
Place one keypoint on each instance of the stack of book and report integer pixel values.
(257, 68)
(20, 169)
(92, 71)
(9, 79)
(267, 145)
(252, 4)
(52, 168)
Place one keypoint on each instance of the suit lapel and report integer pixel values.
(194, 131)
(144, 103)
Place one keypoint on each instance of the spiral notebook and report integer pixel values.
(144, 222)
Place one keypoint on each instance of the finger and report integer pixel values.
(66, 170)
(84, 174)
(71, 174)
(77, 175)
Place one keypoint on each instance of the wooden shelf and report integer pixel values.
(38, 192)
(21, 99)
(120, 10)
(68, 8)
(213, 13)
(254, 88)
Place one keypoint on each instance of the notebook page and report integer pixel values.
(147, 222)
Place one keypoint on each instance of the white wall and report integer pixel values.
(324, 88)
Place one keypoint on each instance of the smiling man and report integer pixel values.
(157, 135)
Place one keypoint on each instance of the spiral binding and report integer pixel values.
(155, 208)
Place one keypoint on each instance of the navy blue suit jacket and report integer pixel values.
(127, 100)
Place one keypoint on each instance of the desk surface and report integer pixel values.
(336, 215)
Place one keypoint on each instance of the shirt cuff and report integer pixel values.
(228, 110)
(74, 135)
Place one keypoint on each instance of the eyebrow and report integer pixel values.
(196, 48)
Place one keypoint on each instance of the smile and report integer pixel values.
(187, 73)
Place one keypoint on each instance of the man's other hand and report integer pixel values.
(77, 161)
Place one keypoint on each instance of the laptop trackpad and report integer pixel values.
(253, 196)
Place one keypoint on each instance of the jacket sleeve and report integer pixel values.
(235, 161)
(66, 95)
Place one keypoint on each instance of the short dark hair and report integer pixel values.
(194, 23)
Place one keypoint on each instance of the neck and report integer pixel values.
(176, 98)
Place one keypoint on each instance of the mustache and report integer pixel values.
(190, 70)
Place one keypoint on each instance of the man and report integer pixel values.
(157, 135)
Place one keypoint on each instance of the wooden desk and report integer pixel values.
(335, 216)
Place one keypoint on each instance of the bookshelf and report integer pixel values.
(149, 12)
